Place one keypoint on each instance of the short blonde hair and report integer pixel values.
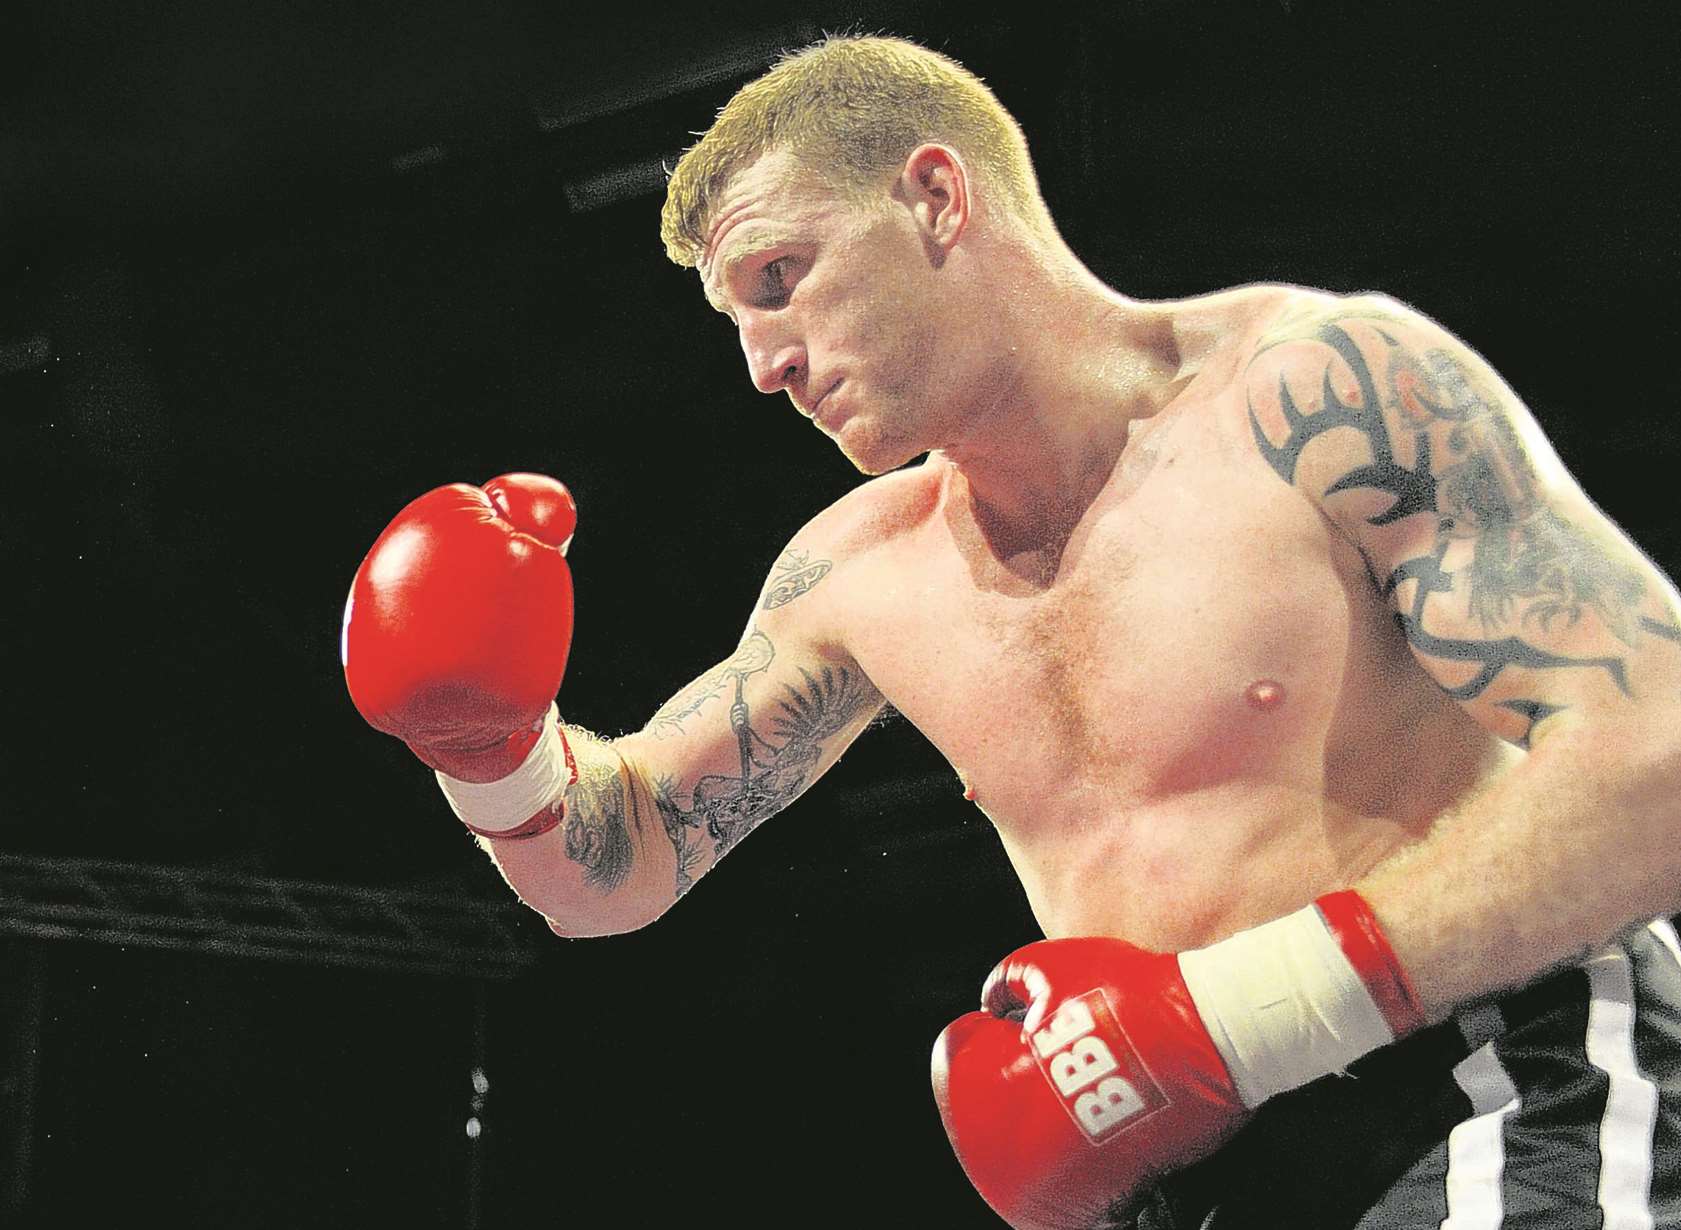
(852, 109)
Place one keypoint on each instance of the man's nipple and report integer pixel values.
(1264, 694)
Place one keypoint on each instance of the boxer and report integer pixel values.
(1328, 724)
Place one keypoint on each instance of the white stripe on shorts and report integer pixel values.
(1476, 1149)
(1665, 931)
(1631, 1106)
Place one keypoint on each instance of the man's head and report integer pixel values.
(850, 110)
(824, 210)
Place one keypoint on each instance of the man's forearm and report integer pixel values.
(1577, 843)
(652, 812)
(607, 867)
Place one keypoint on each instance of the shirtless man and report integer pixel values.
(1265, 627)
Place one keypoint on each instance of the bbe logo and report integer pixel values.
(1097, 1075)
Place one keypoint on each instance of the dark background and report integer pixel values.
(270, 269)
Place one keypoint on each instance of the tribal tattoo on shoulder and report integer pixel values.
(777, 761)
(1529, 573)
(794, 574)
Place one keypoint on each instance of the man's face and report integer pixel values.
(835, 302)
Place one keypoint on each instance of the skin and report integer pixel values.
(1214, 605)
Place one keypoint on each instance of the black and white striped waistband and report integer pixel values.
(1574, 1089)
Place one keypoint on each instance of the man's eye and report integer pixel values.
(773, 288)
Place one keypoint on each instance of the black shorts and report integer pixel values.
(1556, 1107)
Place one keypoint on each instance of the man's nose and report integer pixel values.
(775, 358)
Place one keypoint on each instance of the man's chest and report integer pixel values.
(1197, 627)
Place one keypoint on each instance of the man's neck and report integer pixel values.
(1082, 365)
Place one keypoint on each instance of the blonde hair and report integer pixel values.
(852, 109)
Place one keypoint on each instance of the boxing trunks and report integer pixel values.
(1555, 1107)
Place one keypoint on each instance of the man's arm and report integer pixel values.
(654, 811)
(1528, 607)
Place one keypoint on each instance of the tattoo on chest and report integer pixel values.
(1522, 573)
(777, 760)
(795, 573)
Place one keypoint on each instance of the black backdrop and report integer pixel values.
(268, 271)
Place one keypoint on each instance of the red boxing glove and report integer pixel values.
(1130, 1064)
(459, 622)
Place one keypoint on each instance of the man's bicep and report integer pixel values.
(1514, 592)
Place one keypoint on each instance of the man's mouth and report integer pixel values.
(817, 407)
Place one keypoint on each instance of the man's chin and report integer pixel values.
(874, 467)
(871, 455)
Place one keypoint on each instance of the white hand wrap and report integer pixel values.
(542, 779)
(1283, 1004)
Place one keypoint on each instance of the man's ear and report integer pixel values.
(935, 184)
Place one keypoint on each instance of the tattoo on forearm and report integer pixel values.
(795, 574)
(682, 830)
(1530, 572)
(775, 766)
(597, 837)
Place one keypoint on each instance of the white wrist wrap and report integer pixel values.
(1283, 1005)
(499, 806)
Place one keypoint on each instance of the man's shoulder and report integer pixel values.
(1301, 313)
(879, 512)
(1288, 333)
(1227, 329)
(1274, 335)
(848, 552)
